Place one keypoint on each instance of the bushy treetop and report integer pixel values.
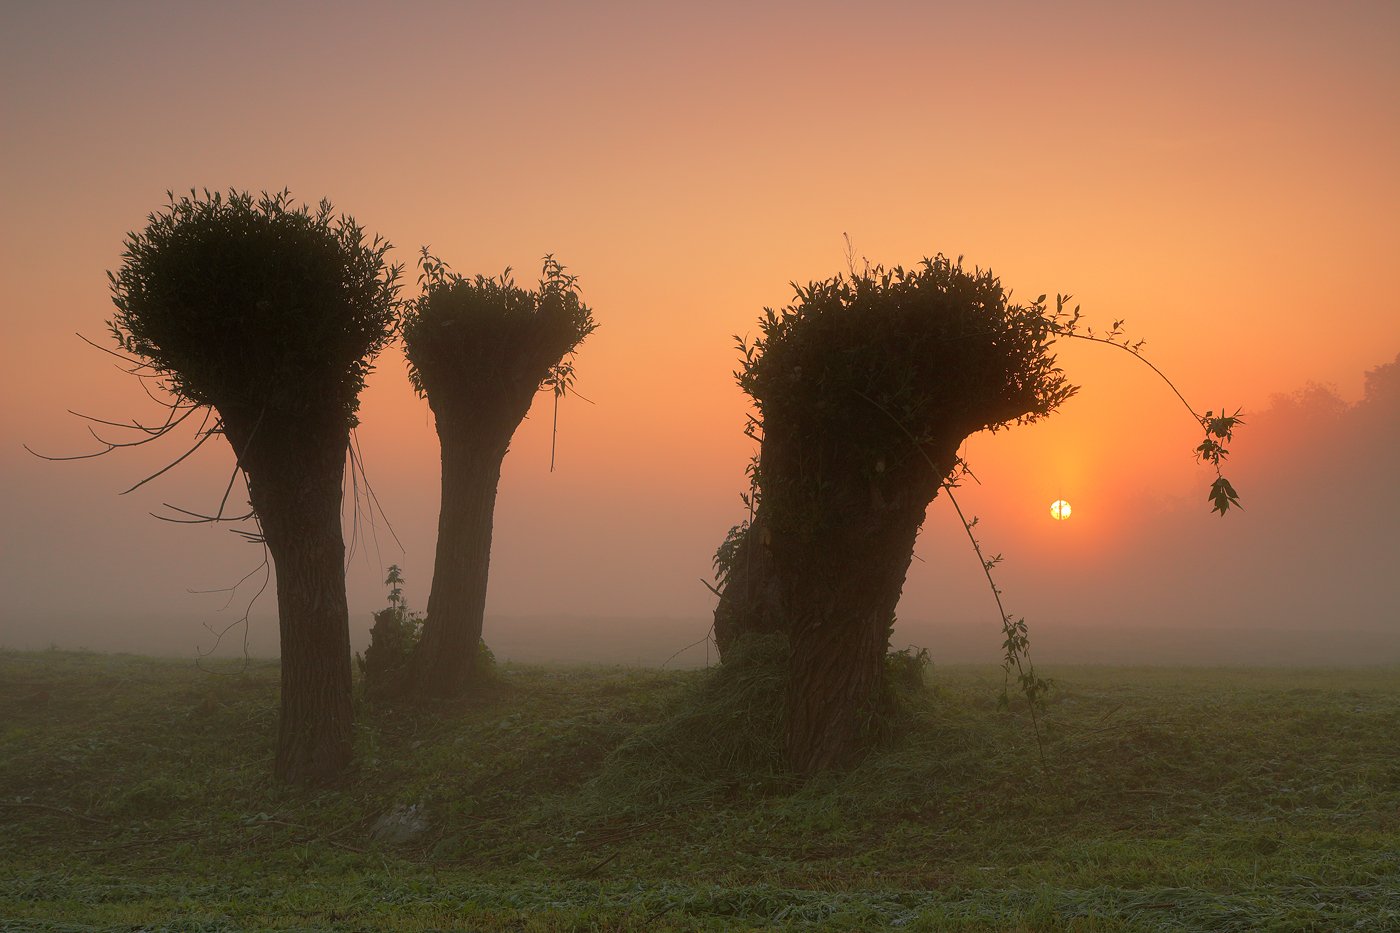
(474, 341)
(868, 369)
(256, 304)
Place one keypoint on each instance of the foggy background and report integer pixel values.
(1222, 176)
(1304, 574)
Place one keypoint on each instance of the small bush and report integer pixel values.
(903, 687)
(905, 669)
(391, 641)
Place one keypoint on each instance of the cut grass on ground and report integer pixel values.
(136, 793)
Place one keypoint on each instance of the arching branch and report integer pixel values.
(1219, 429)
(152, 434)
(134, 425)
(197, 518)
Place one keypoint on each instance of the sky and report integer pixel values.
(1221, 176)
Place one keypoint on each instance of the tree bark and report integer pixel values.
(840, 581)
(296, 491)
(841, 613)
(446, 660)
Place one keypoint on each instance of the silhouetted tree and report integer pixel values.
(269, 315)
(479, 349)
(865, 387)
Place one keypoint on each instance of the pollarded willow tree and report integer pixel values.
(479, 349)
(269, 315)
(865, 388)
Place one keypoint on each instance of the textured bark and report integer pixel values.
(295, 485)
(446, 660)
(840, 617)
(840, 582)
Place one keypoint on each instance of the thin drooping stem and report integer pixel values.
(1005, 622)
(1015, 655)
(1219, 430)
(1140, 358)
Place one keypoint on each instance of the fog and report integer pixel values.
(1304, 574)
(1222, 188)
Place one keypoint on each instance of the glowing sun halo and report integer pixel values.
(1060, 510)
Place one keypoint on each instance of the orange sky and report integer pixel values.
(1220, 175)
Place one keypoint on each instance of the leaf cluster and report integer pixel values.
(1016, 655)
(256, 304)
(472, 342)
(727, 554)
(1220, 430)
(392, 638)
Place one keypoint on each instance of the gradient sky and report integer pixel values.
(1221, 175)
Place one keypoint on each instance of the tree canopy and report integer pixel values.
(866, 373)
(477, 345)
(253, 303)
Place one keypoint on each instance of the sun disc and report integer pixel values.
(1060, 510)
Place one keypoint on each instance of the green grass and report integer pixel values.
(135, 794)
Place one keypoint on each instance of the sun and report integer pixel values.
(1060, 510)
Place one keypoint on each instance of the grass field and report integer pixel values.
(135, 794)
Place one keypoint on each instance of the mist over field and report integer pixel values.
(1303, 575)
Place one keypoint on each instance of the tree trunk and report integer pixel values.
(446, 660)
(840, 619)
(296, 492)
(840, 569)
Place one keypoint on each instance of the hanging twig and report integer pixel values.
(359, 458)
(1219, 429)
(245, 619)
(1016, 643)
